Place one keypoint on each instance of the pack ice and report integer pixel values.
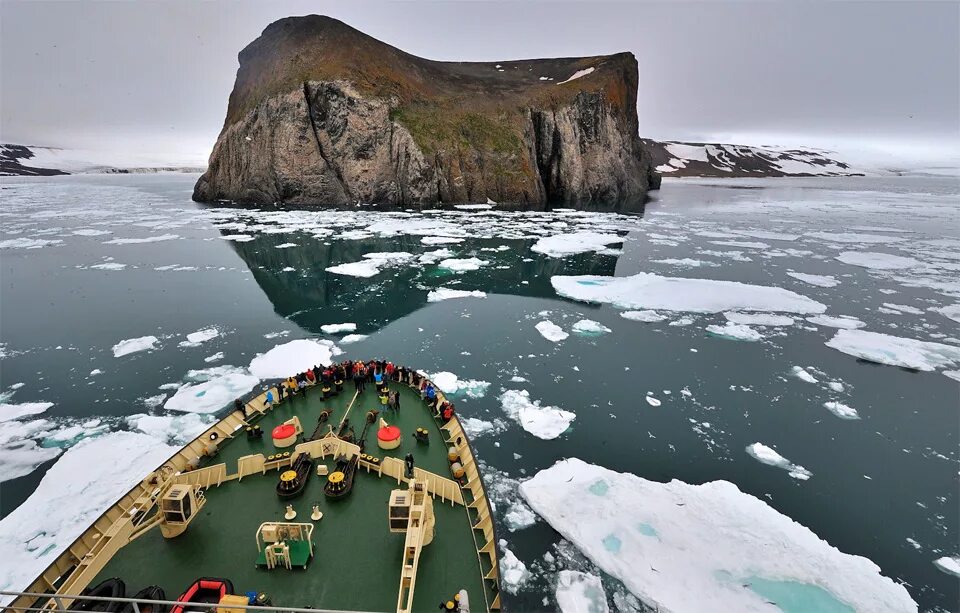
(650, 291)
(710, 547)
(895, 350)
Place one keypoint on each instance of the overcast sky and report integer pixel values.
(154, 76)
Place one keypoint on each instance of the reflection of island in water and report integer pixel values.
(310, 296)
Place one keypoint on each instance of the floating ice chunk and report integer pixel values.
(681, 547)
(876, 261)
(844, 322)
(562, 245)
(9, 412)
(577, 75)
(766, 455)
(551, 331)
(854, 237)
(133, 345)
(337, 328)
(895, 350)
(758, 319)
(841, 410)
(441, 240)
(952, 311)
(109, 266)
(580, 593)
(903, 308)
(463, 264)
(95, 372)
(818, 280)
(19, 455)
(949, 565)
(215, 393)
(650, 291)
(744, 244)
(513, 572)
(952, 374)
(194, 339)
(292, 357)
(835, 386)
(519, 516)
(172, 429)
(371, 264)
(644, 316)
(76, 490)
(475, 427)
(686, 262)
(446, 293)
(802, 374)
(139, 241)
(352, 338)
(29, 243)
(654, 402)
(432, 257)
(735, 332)
(543, 422)
(286, 245)
(238, 238)
(588, 327)
(90, 232)
(453, 385)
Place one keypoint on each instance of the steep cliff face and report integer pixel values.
(322, 114)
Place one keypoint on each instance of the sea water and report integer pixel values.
(89, 262)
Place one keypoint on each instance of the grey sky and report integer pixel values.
(155, 76)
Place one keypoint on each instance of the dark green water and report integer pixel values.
(877, 481)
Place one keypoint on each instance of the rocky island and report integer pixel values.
(322, 114)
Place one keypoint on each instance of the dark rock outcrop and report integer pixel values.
(322, 114)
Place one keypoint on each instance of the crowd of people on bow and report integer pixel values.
(374, 372)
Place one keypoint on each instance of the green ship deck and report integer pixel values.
(356, 562)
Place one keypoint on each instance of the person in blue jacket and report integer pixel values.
(431, 395)
(268, 402)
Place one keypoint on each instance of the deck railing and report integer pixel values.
(63, 602)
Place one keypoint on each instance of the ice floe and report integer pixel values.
(171, 429)
(855, 237)
(338, 328)
(682, 547)
(802, 374)
(588, 327)
(685, 262)
(446, 293)
(561, 245)
(579, 592)
(216, 357)
(28, 243)
(292, 357)
(441, 240)
(108, 266)
(140, 241)
(735, 332)
(876, 261)
(817, 280)
(475, 427)
(543, 422)
(371, 265)
(758, 319)
(844, 322)
(895, 350)
(195, 339)
(551, 331)
(952, 311)
(949, 565)
(462, 264)
(513, 572)
(225, 383)
(644, 316)
(9, 412)
(133, 345)
(76, 490)
(453, 385)
(841, 410)
(352, 338)
(766, 455)
(650, 291)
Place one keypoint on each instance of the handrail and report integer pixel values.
(135, 601)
